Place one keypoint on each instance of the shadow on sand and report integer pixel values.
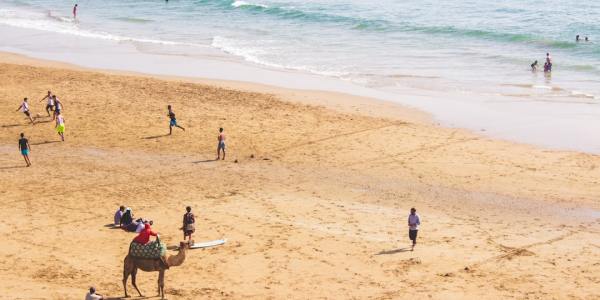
(154, 136)
(112, 226)
(129, 298)
(204, 161)
(14, 125)
(399, 250)
(13, 167)
(45, 142)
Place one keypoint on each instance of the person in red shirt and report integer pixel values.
(144, 236)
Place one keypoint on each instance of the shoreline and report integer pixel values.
(338, 101)
(547, 122)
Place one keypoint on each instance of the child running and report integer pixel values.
(49, 103)
(24, 147)
(60, 126)
(24, 107)
(173, 120)
(221, 146)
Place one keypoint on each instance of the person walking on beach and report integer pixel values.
(189, 224)
(24, 107)
(60, 126)
(75, 11)
(49, 103)
(221, 145)
(24, 148)
(172, 120)
(413, 227)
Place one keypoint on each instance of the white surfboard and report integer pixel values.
(208, 244)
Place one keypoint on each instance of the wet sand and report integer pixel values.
(315, 206)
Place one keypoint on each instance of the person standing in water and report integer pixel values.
(60, 126)
(24, 148)
(577, 38)
(75, 11)
(49, 103)
(24, 107)
(548, 62)
(221, 145)
(172, 120)
(413, 227)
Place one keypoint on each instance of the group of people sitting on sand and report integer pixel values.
(124, 219)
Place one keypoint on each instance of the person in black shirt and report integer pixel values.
(173, 121)
(24, 147)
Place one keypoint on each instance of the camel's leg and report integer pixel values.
(133, 275)
(161, 283)
(126, 272)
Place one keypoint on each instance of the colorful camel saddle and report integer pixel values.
(152, 249)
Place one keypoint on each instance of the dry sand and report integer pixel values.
(319, 212)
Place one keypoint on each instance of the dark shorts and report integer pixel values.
(57, 112)
(412, 234)
(26, 113)
(49, 107)
(173, 122)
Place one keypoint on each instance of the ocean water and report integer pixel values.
(469, 59)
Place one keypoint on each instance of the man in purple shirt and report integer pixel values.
(413, 227)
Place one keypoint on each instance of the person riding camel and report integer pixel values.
(144, 237)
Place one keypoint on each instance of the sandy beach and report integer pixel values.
(313, 196)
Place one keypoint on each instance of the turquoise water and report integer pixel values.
(377, 43)
(475, 52)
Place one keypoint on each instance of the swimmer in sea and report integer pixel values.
(534, 66)
(577, 38)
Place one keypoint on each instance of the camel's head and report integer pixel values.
(184, 245)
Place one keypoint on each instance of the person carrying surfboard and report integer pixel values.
(189, 224)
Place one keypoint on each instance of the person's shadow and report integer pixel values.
(394, 251)
(155, 136)
(12, 167)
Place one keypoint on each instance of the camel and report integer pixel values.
(132, 264)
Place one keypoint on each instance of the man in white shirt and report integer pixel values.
(413, 227)
(91, 295)
(25, 109)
